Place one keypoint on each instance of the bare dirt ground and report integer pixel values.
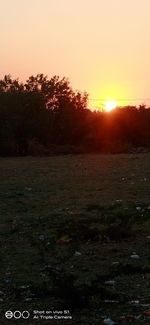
(69, 226)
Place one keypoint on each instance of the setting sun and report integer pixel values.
(110, 105)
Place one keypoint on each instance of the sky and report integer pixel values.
(102, 46)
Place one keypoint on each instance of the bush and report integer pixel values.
(35, 148)
(115, 147)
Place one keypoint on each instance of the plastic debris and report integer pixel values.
(130, 318)
(28, 189)
(135, 256)
(110, 282)
(48, 244)
(63, 240)
(7, 280)
(145, 305)
(122, 318)
(108, 321)
(107, 301)
(77, 253)
(28, 299)
(138, 317)
(138, 208)
(24, 286)
(42, 237)
(134, 302)
(147, 313)
(115, 263)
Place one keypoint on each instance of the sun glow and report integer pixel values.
(110, 105)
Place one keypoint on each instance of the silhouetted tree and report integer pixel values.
(57, 92)
(43, 112)
(7, 84)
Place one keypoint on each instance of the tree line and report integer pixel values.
(46, 116)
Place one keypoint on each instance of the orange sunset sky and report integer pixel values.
(102, 46)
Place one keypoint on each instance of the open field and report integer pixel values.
(68, 228)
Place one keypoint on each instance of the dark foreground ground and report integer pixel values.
(68, 229)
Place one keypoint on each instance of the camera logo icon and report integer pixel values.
(9, 314)
(17, 314)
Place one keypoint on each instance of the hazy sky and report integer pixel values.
(102, 46)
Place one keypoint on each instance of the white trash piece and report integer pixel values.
(135, 256)
(108, 321)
